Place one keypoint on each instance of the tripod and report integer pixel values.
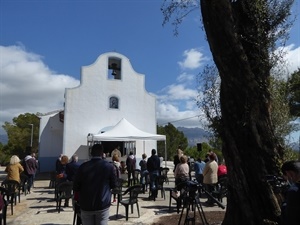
(191, 199)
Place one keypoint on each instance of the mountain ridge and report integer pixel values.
(195, 135)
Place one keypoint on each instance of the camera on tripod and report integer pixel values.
(192, 186)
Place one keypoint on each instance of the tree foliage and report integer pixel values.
(19, 134)
(294, 93)
(174, 138)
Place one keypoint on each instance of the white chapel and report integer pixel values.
(110, 91)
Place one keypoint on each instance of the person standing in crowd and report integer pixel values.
(30, 167)
(123, 167)
(161, 159)
(58, 163)
(216, 157)
(92, 186)
(210, 175)
(181, 173)
(177, 157)
(131, 165)
(144, 171)
(222, 169)
(117, 151)
(153, 165)
(117, 165)
(290, 212)
(190, 162)
(14, 169)
(72, 167)
(198, 167)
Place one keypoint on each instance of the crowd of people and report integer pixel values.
(92, 187)
(27, 167)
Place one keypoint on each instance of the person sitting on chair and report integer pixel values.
(14, 169)
(181, 173)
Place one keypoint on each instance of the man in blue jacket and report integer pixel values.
(92, 186)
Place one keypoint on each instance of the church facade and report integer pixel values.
(109, 90)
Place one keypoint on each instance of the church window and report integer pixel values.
(114, 68)
(113, 103)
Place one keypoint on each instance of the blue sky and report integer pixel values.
(44, 44)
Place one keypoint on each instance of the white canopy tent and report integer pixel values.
(125, 131)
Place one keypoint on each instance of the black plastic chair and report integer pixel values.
(24, 183)
(129, 198)
(52, 179)
(13, 191)
(159, 186)
(160, 180)
(177, 199)
(64, 191)
(77, 214)
(221, 188)
(3, 212)
(118, 189)
(164, 172)
(136, 176)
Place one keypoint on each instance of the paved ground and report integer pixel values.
(38, 208)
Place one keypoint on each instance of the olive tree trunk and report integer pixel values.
(240, 51)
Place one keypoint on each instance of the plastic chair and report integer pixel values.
(64, 191)
(177, 199)
(77, 214)
(52, 179)
(164, 172)
(136, 176)
(3, 212)
(221, 188)
(13, 191)
(24, 183)
(129, 198)
(159, 183)
(118, 189)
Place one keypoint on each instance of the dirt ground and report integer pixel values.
(212, 218)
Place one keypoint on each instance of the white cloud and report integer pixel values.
(176, 103)
(186, 78)
(292, 57)
(290, 61)
(193, 59)
(28, 85)
(178, 92)
(168, 113)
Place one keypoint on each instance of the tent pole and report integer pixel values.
(165, 154)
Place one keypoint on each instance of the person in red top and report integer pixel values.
(222, 169)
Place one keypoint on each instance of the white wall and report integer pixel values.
(51, 141)
(87, 106)
(87, 111)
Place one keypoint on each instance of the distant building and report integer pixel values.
(109, 90)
